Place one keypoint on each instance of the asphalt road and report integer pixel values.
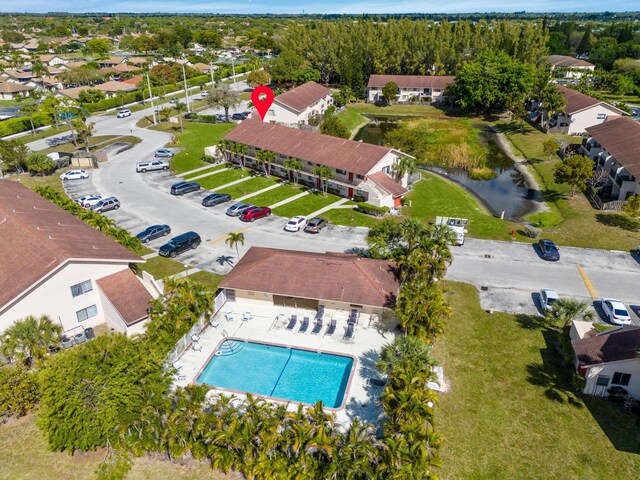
(508, 275)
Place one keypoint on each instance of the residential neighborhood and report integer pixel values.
(248, 243)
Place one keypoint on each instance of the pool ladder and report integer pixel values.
(229, 347)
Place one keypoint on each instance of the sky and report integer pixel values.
(319, 6)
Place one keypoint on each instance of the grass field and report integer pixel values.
(349, 218)
(52, 181)
(572, 221)
(252, 185)
(208, 279)
(434, 196)
(162, 267)
(370, 109)
(206, 170)
(511, 412)
(352, 119)
(25, 457)
(276, 195)
(305, 205)
(223, 178)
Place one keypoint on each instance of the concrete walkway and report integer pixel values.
(235, 182)
(185, 273)
(199, 169)
(208, 174)
(521, 165)
(270, 187)
(150, 255)
(287, 200)
(329, 207)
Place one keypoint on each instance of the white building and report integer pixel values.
(298, 105)
(56, 265)
(569, 68)
(359, 169)
(581, 112)
(615, 147)
(411, 88)
(607, 359)
(11, 91)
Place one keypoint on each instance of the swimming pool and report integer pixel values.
(280, 372)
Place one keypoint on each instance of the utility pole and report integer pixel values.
(186, 91)
(213, 82)
(153, 108)
(233, 69)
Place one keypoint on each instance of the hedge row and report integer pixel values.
(20, 124)
(369, 209)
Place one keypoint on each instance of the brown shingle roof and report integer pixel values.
(577, 101)
(411, 81)
(303, 96)
(19, 74)
(328, 276)
(10, 87)
(127, 295)
(567, 62)
(135, 80)
(38, 237)
(333, 152)
(388, 184)
(77, 64)
(620, 136)
(613, 346)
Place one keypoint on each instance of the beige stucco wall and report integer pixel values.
(52, 296)
(631, 366)
(580, 121)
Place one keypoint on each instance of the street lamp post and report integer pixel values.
(153, 108)
(186, 91)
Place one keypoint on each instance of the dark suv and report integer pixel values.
(179, 244)
(184, 187)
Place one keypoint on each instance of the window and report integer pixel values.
(621, 379)
(601, 116)
(341, 172)
(80, 288)
(272, 112)
(85, 313)
(386, 170)
(359, 177)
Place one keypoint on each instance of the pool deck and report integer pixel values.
(267, 324)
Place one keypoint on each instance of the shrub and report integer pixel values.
(22, 124)
(19, 391)
(532, 232)
(578, 381)
(358, 198)
(369, 209)
(482, 173)
(208, 159)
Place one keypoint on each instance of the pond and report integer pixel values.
(505, 192)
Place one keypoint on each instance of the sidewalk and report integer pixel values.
(287, 200)
(329, 207)
(271, 187)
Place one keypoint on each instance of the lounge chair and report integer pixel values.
(331, 329)
(196, 346)
(246, 316)
(317, 327)
(352, 321)
(375, 382)
(229, 316)
(320, 312)
(292, 322)
(350, 333)
(304, 326)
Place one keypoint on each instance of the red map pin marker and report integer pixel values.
(262, 98)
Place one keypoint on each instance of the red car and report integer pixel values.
(253, 213)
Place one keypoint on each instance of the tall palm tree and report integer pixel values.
(180, 107)
(99, 221)
(552, 101)
(39, 69)
(29, 110)
(404, 166)
(324, 174)
(234, 239)
(239, 149)
(293, 165)
(28, 338)
(404, 348)
(566, 310)
(265, 158)
(223, 146)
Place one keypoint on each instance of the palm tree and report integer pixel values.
(29, 110)
(293, 165)
(323, 173)
(39, 69)
(404, 348)
(29, 338)
(552, 101)
(239, 149)
(165, 113)
(566, 310)
(223, 147)
(265, 158)
(100, 222)
(180, 107)
(404, 166)
(234, 239)
(84, 131)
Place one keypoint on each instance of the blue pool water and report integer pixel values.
(281, 372)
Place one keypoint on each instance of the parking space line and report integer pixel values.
(587, 282)
(224, 237)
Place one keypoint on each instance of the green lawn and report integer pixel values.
(276, 195)
(208, 279)
(161, 267)
(371, 109)
(434, 196)
(253, 185)
(52, 180)
(223, 178)
(349, 218)
(610, 97)
(25, 456)
(352, 119)
(196, 136)
(206, 170)
(511, 412)
(95, 144)
(305, 205)
(571, 221)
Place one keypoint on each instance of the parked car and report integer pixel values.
(296, 224)
(184, 187)
(164, 152)
(190, 115)
(215, 199)
(106, 204)
(237, 208)
(239, 116)
(124, 113)
(88, 200)
(153, 232)
(315, 225)
(548, 250)
(74, 175)
(179, 244)
(173, 101)
(547, 297)
(252, 214)
(615, 311)
(151, 165)
(204, 94)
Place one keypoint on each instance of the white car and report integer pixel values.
(87, 200)
(142, 167)
(204, 94)
(615, 311)
(74, 175)
(124, 113)
(296, 224)
(547, 297)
